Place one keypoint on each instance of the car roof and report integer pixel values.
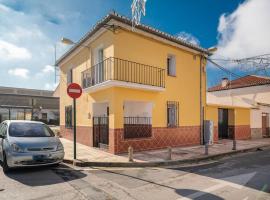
(22, 121)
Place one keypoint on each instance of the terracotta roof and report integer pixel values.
(246, 81)
(128, 21)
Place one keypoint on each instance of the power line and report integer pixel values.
(223, 69)
(231, 74)
(255, 64)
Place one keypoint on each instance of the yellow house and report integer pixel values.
(141, 88)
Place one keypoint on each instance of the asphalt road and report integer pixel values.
(244, 177)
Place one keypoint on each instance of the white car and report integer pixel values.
(28, 143)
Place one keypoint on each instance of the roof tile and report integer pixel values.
(246, 81)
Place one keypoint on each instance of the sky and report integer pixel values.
(30, 30)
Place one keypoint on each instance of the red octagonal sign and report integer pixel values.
(74, 90)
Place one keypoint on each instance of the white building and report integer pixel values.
(250, 91)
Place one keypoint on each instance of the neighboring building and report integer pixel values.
(28, 104)
(249, 92)
(141, 88)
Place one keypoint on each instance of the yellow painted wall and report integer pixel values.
(237, 115)
(82, 61)
(184, 88)
(242, 116)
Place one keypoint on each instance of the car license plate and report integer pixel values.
(40, 157)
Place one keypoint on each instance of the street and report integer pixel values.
(244, 177)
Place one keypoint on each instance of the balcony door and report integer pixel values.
(99, 66)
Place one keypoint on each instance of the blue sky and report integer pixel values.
(30, 28)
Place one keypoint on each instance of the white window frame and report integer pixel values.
(171, 65)
(70, 75)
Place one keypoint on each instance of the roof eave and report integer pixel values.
(125, 20)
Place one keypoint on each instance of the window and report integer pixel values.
(172, 114)
(69, 76)
(68, 116)
(171, 65)
(21, 129)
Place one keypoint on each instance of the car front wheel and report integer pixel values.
(4, 164)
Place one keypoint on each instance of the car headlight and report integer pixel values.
(16, 148)
(59, 147)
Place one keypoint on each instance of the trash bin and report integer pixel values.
(208, 132)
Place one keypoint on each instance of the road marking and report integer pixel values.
(237, 182)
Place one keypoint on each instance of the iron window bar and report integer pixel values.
(172, 114)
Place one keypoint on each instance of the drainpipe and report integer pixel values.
(201, 104)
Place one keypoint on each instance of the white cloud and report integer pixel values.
(9, 51)
(48, 69)
(246, 31)
(188, 37)
(19, 72)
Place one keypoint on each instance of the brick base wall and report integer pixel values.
(216, 134)
(242, 132)
(161, 138)
(84, 134)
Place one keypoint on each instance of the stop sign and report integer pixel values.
(74, 90)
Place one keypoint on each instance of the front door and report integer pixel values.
(223, 129)
(265, 125)
(101, 132)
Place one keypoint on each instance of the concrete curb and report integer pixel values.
(80, 163)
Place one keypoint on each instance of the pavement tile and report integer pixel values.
(86, 153)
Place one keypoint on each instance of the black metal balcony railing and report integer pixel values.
(123, 70)
(137, 127)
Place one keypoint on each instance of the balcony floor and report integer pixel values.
(123, 84)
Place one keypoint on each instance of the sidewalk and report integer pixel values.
(95, 155)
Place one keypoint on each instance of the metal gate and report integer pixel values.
(223, 124)
(265, 125)
(101, 132)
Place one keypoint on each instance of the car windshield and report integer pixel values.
(20, 129)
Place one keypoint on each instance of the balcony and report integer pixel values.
(116, 72)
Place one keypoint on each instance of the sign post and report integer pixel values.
(74, 90)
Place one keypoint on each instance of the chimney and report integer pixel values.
(224, 82)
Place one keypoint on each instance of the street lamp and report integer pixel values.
(67, 41)
(212, 50)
